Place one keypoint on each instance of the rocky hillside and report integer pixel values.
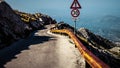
(35, 21)
(106, 50)
(15, 25)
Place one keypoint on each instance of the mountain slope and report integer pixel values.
(15, 25)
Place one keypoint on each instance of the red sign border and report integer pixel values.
(76, 3)
(78, 12)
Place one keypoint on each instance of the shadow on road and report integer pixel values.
(9, 53)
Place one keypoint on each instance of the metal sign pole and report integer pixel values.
(75, 26)
(75, 12)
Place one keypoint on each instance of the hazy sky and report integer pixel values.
(62, 7)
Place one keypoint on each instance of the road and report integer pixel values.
(42, 49)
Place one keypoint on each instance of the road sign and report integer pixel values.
(75, 12)
(75, 5)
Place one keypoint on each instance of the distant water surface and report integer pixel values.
(101, 17)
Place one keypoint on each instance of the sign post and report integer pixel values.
(75, 12)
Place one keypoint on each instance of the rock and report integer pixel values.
(37, 20)
(63, 25)
(96, 38)
(35, 25)
(116, 50)
(15, 25)
(15, 21)
(47, 20)
(101, 47)
(117, 43)
(11, 26)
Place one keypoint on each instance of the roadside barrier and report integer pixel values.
(92, 60)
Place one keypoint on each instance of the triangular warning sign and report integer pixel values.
(75, 5)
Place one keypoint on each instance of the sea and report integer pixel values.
(107, 26)
(101, 17)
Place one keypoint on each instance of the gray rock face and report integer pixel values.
(102, 48)
(13, 28)
(96, 38)
(37, 20)
(47, 20)
(15, 21)
(63, 25)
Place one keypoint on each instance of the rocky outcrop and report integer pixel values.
(96, 38)
(101, 47)
(15, 25)
(106, 50)
(62, 25)
(11, 26)
(35, 21)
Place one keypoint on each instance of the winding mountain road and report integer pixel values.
(42, 49)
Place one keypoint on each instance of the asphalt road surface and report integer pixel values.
(42, 49)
